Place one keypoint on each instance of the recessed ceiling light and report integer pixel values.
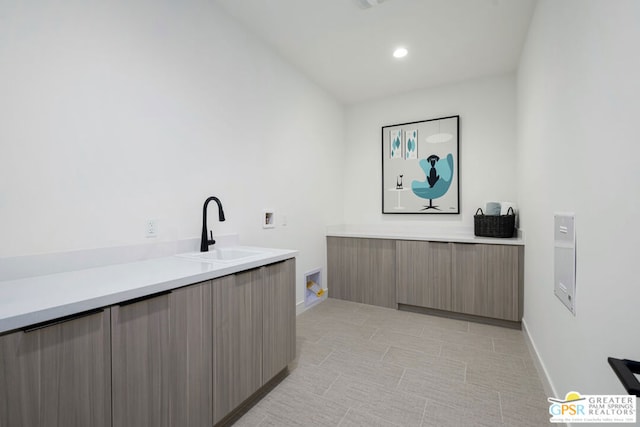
(400, 52)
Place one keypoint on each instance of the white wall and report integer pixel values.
(113, 113)
(487, 148)
(578, 109)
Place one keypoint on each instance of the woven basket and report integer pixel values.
(494, 225)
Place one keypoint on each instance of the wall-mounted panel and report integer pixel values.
(564, 259)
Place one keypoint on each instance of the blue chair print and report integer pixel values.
(439, 173)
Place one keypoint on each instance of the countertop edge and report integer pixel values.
(20, 321)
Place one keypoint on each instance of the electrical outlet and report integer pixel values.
(152, 228)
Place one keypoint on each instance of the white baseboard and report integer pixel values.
(549, 389)
(547, 384)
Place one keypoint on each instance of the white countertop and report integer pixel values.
(457, 236)
(31, 300)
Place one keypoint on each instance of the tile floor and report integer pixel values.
(360, 365)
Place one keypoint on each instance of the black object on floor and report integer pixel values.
(625, 370)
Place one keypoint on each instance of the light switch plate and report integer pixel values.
(151, 228)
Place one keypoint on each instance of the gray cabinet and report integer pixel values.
(254, 335)
(376, 269)
(424, 274)
(162, 363)
(362, 270)
(190, 356)
(279, 318)
(487, 280)
(57, 374)
(469, 278)
(187, 357)
(237, 340)
(342, 258)
(478, 279)
(140, 350)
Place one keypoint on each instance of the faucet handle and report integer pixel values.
(211, 241)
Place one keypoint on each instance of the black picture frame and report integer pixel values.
(421, 167)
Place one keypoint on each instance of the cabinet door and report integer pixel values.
(279, 318)
(376, 271)
(140, 349)
(57, 375)
(342, 261)
(362, 270)
(237, 340)
(470, 293)
(190, 358)
(487, 280)
(424, 274)
(502, 274)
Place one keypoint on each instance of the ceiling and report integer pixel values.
(348, 50)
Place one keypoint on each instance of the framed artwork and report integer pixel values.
(411, 144)
(395, 139)
(421, 168)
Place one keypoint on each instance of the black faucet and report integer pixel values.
(205, 241)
